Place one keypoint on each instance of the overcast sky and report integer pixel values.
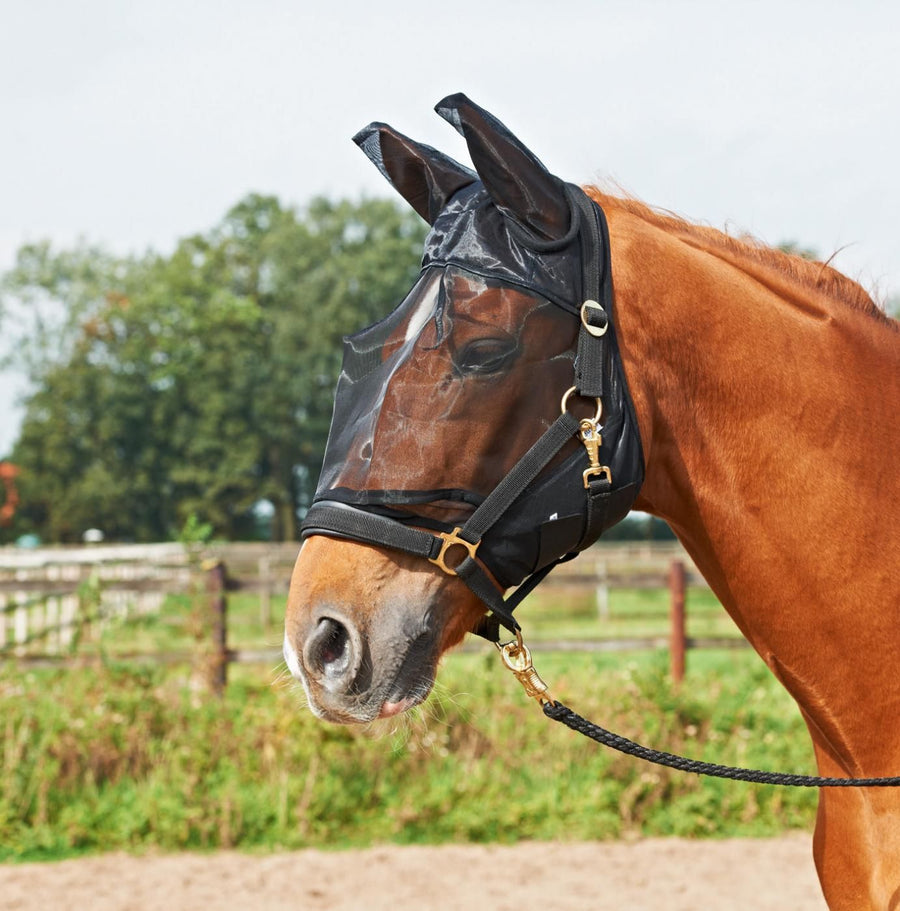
(134, 124)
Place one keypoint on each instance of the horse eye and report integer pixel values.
(486, 355)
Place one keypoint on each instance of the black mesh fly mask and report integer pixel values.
(454, 435)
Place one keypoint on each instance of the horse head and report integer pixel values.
(452, 474)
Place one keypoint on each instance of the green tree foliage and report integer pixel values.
(197, 383)
(796, 249)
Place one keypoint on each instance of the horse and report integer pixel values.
(764, 389)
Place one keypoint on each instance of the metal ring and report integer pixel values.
(452, 539)
(574, 389)
(596, 331)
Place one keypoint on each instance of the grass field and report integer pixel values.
(116, 755)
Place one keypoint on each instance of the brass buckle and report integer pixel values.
(451, 539)
(596, 331)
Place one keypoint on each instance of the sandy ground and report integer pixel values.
(674, 874)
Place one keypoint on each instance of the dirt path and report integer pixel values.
(674, 874)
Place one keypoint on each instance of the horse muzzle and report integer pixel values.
(365, 638)
(337, 670)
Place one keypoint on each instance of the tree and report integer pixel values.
(199, 383)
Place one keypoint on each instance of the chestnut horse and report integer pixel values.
(767, 393)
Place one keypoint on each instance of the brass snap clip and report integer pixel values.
(589, 434)
(517, 657)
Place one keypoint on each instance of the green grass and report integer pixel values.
(119, 757)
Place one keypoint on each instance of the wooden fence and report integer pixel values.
(48, 597)
(53, 598)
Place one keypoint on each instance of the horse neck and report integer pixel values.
(766, 411)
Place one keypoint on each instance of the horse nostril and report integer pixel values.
(330, 650)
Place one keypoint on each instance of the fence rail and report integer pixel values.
(50, 596)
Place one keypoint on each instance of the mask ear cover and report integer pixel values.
(423, 176)
(518, 183)
(513, 223)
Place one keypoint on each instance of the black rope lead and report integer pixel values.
(559, 712)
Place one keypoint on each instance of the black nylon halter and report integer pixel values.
(342, 520)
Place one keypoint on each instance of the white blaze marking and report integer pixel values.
(421, 313)
(291, 659)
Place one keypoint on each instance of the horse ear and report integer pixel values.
(518, 183)
(424, 177)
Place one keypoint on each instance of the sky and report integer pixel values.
(131, 125)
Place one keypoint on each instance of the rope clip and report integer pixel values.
(517, 657)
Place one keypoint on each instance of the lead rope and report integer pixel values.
(517, 657)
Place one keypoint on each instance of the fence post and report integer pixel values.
(51, 618)
(217, 668)
(20, 622)
(69, 621)
(677, 638)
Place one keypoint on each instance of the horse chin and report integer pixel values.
(390, 709)
(366, 628)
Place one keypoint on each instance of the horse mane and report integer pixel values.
(818, 276)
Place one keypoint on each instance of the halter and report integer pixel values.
(605, 500)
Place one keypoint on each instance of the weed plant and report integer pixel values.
(117, 756)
